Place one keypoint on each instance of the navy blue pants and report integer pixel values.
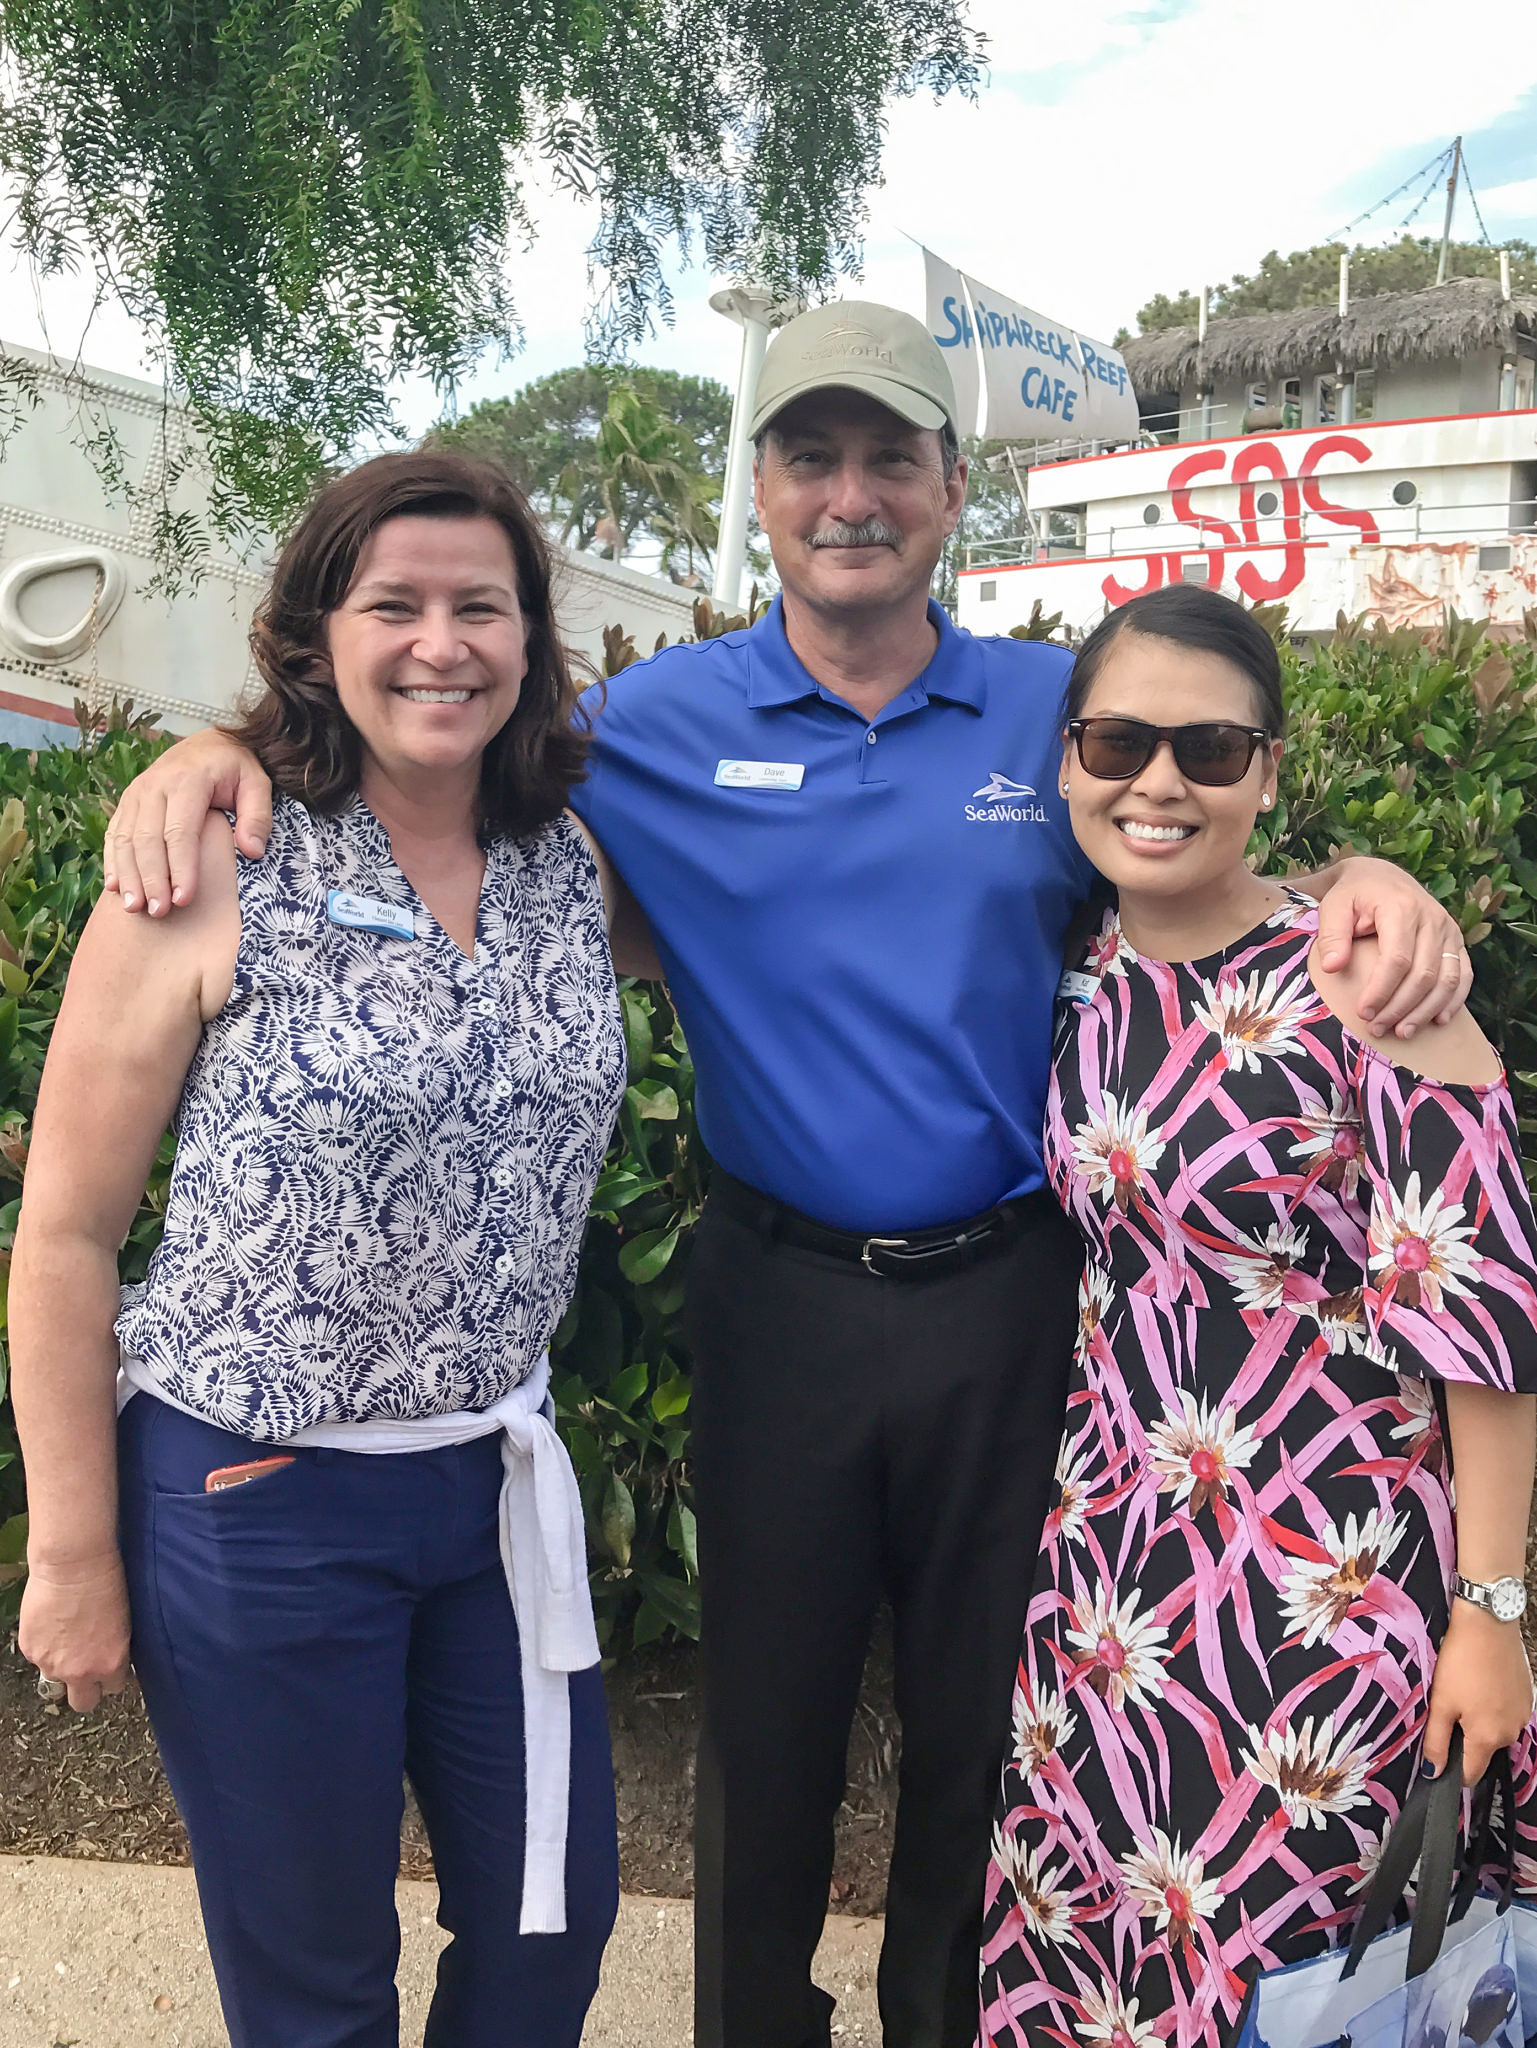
(304, 1641)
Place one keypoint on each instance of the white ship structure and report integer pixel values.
(1380, 458)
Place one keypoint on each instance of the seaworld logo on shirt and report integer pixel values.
(1001, 803)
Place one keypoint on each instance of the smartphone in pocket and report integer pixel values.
(237, 1475)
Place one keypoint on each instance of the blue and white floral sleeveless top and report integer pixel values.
(386, 1151)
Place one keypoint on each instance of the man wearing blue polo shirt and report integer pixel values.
(844, 829)
(859, 876)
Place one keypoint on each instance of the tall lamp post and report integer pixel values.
(757, 314)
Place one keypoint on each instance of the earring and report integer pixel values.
(1064, 789)
(1265, 803)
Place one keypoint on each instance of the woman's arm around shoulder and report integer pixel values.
(1455, 1051)
(629, 935)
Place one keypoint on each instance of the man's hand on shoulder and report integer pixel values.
(1454, 1051)
(1422, 973)
(156, 832)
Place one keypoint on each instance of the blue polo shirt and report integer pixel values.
(865, 963)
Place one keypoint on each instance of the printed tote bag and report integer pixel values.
(1451, 1978)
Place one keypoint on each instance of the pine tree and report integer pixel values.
(1311, 277)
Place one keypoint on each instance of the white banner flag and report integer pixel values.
(1044, 381)
(1111, 404)
(1034, 383)
(950, 324)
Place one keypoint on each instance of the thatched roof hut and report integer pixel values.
(1442, 323)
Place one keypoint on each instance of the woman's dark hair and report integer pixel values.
(1194, 617)
(297, 728)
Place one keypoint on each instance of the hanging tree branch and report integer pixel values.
(303, 199)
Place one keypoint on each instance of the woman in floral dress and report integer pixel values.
(1310, 1292)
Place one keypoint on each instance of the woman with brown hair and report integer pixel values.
(311, 1454)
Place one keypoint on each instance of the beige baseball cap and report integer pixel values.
(852, 345)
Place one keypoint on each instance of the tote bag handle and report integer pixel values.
(1482, 1848)
(1426, 1828)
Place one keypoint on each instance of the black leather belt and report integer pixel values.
(911, 1255)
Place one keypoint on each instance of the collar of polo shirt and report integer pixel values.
(775, 674)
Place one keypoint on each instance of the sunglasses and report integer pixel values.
(1116, 749)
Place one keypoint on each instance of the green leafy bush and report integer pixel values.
(1423, 749)
(54, 807)
(619, 1361)
(620, 1367)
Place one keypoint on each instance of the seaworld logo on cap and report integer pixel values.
(848, 340)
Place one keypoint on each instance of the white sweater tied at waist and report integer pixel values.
(544, 1554)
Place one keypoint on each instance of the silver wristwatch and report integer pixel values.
(1505, 1599)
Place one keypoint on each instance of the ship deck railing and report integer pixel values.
(1399, 526)
(1158, 430)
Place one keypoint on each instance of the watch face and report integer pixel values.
(1507, 1600)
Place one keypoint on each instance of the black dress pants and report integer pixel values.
(856, 1437)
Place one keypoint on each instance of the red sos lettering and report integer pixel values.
(1313, 497)
(1264, 458)
(1160, 567)
(1254, 458)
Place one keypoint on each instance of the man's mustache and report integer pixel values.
(869, 533)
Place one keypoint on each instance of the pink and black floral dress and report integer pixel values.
(1229, 1649)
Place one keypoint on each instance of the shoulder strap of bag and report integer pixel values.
(1426, 1829)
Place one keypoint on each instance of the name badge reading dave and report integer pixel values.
(1078, 988)
(759, 774)
(368, 914)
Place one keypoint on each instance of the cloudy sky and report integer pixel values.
(1117, 149)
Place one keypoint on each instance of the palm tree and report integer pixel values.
(648, 475)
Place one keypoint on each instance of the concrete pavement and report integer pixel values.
(110, 1955)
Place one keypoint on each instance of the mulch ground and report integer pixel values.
(92, 1786)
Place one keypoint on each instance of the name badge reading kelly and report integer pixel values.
(1078, 988)
(368, 914)
(759, 774)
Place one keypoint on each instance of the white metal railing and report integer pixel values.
(1210, 422)
(1398, 525)
(1039, 453)
(1157, 429)
(1007, 551)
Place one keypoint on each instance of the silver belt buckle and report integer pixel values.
(882, 1244)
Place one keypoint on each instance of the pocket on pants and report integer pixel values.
(173, 1453)
(239, 1568)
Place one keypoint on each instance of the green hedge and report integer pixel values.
(54, 807)
(1423, 749)
(1418, 748)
